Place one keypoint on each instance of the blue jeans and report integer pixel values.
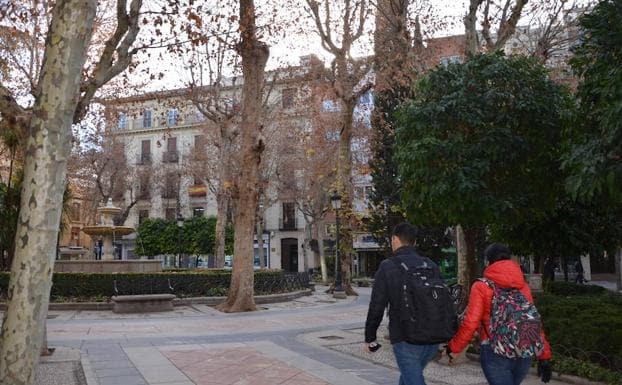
(412, 359)
(500, 370)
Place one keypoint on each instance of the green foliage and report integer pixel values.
(99, 287)
(570, 228)
(197, 236)
(385, 205)
(9, 212)
(583, 323)
(594, 156)
(479, 142)
(572, 289)
(580, 368)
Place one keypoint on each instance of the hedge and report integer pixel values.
(100, 286)
(571, 289)
(584, 322)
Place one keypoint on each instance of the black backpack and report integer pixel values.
(426, 307)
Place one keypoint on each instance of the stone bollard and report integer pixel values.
(534, 281)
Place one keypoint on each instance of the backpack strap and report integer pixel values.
(491, 285)
(400, 264)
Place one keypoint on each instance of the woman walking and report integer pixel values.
(503, 290)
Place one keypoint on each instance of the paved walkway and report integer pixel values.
(311, 341)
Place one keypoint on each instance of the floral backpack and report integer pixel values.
(515, 324)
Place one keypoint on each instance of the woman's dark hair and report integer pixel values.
(497, 252)
(406, 232)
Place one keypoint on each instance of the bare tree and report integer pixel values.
(60, 96)
(338, 34)
(498, 22)
(245, 190)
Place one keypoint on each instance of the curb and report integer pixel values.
(210, 301)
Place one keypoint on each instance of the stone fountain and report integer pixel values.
(106, 230)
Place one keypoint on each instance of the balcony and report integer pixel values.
(143, 194)
(197, 191)
(144, 159)
(288, 224)
(169, 193)
(156, 124)
(170, 157)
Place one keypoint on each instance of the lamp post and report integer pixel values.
(180, 225)
(335, 201)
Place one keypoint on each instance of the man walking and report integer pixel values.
(411, 358)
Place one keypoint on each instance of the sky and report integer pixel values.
(287, 45)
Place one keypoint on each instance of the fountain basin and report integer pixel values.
(108, 230)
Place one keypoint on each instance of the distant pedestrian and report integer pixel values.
(578, 267)
(549, 270)
(404, 282)
(501, 310)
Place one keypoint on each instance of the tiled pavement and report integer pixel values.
(282, 344)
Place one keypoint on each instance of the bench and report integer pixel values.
(142, 303)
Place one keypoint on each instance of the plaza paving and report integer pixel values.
(310, 341)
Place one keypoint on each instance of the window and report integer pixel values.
(143, 187)
(289, 216)
(171, 117)
(198, 211)
(142, 215)
(75, 237)
(366, 99)
(145, 152)
(363, 192)
(170, 186)
(147, 119)
(122, 122)
(333, 135)
(75, 212)
(368, 190)
(445, 61)
(199, 142)
(170, 214)
(330, 106)
(288, 97)
(171, 151)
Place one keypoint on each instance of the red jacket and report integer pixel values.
(506, 273)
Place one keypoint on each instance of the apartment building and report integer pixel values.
(163, 135)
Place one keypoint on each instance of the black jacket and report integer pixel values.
(387, 290)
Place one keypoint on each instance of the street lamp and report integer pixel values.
(335, 201)
(180, 225)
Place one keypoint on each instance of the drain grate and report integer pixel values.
(330, 338)
(52, 316)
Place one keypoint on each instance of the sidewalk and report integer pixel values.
(314, 340)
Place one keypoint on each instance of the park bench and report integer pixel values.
(155, 301)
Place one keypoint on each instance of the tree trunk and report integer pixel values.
(260, 252)
(618, 262)
(467, 260)
(307, 246)
(470, 28)
(320, 253)
(344, 176)
(223, 196)
(245, 197)
(48, 148)
(221, 224)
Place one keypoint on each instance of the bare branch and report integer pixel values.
(120, 43)
(507, 29)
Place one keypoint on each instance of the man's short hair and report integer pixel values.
(406, 233)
